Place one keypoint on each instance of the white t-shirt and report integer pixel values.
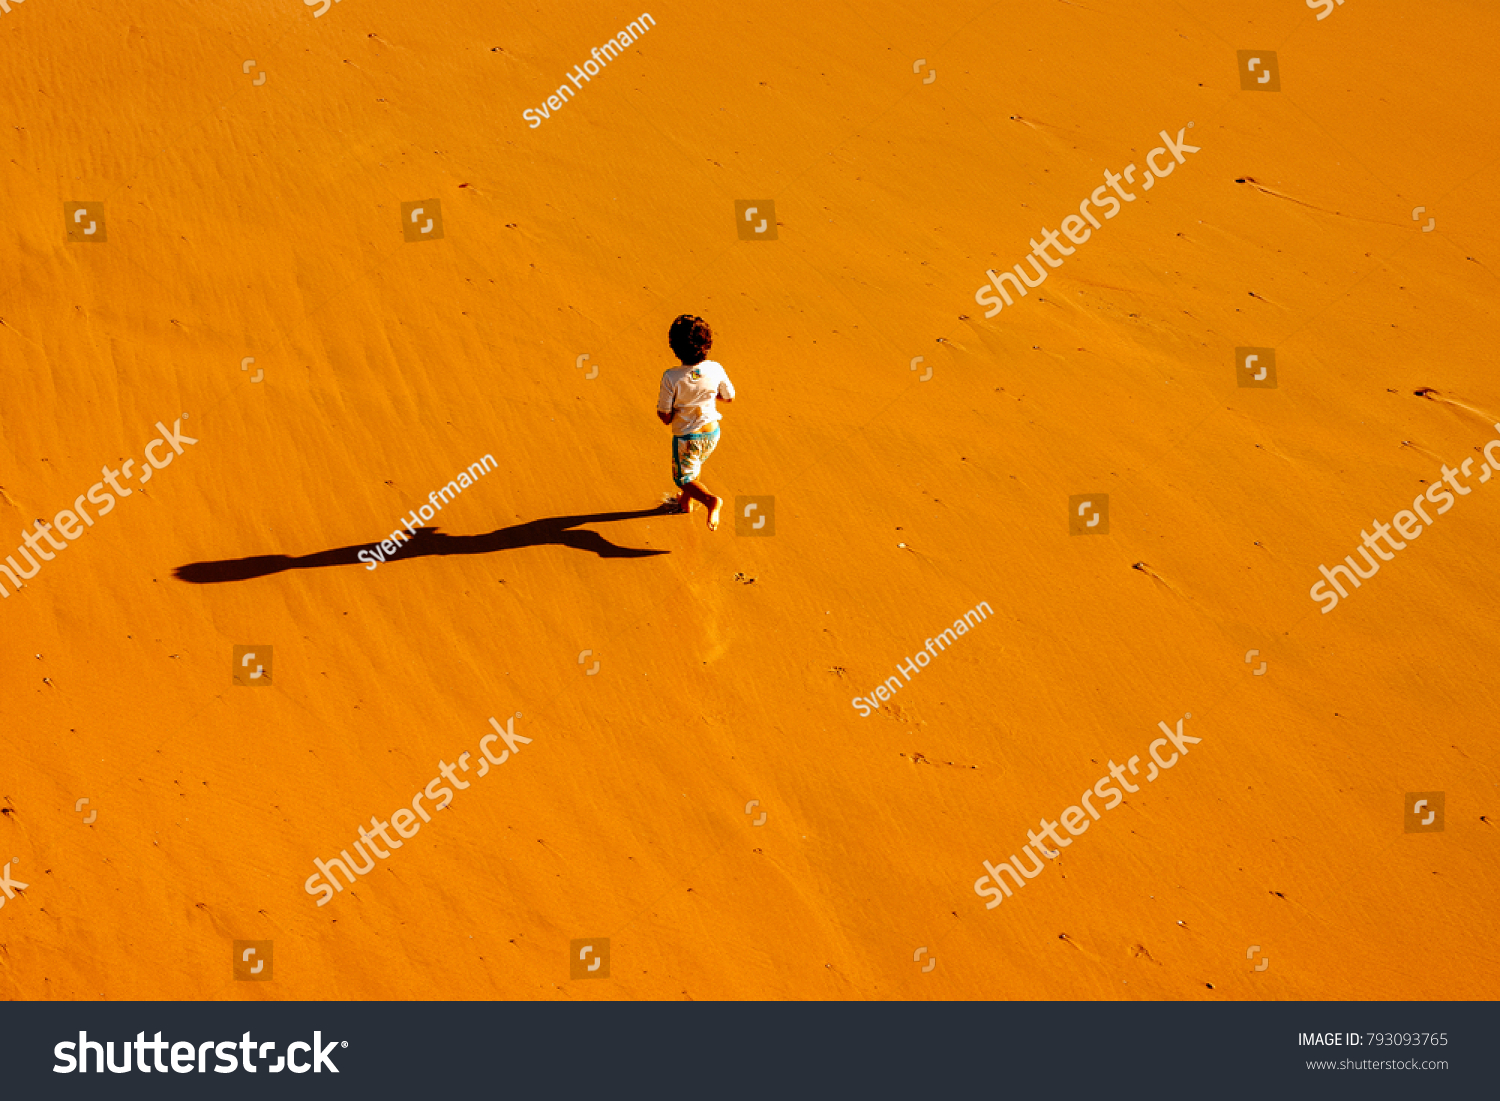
(694, 392)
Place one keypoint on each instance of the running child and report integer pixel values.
(688, 401)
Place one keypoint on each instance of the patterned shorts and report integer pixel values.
(689, 453)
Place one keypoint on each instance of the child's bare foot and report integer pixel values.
(685, 502)
(713, 513)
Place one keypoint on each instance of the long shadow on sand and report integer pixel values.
(553, 531)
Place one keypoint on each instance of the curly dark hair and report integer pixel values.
(691, 338)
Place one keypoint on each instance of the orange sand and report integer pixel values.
(264, 220)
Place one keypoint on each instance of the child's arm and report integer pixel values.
(666, 402)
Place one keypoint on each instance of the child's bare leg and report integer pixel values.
(708, 500)
(685, 501)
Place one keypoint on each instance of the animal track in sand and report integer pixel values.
(1251, 180)
(1435, 395)
(921, 759)
(1149, 572)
